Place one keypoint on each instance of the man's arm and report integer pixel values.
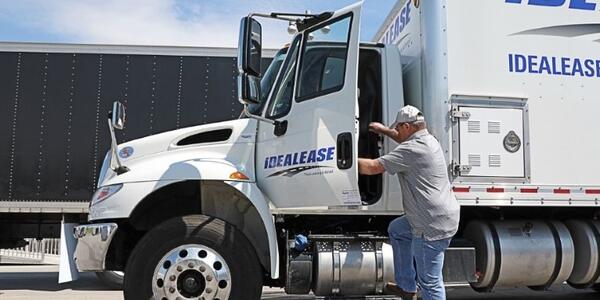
(369, 166)
(372, 166)
(382, 129)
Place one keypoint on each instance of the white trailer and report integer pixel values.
(510, 89)
(274, 198)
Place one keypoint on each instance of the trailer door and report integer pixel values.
(311, 158)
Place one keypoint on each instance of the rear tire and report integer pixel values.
(193, 257)
(112, 279)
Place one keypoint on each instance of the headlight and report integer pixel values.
(104, 192)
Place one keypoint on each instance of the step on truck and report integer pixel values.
(509, 88)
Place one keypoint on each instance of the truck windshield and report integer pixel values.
(267, 81)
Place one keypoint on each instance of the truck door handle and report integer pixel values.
(344, 150)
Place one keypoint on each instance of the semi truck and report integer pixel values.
(53, 100)
(509, 88)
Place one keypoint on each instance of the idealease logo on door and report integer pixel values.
(572, 4)
(300, 160)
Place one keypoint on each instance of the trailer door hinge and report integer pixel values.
(458, 169)
(457, 115)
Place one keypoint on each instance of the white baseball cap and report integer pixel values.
(408, 114)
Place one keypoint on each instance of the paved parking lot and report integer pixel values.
(40, 282)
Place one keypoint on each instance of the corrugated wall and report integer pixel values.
(53, 112)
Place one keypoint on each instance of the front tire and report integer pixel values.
(193, 257)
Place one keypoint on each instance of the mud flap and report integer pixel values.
(68, 270)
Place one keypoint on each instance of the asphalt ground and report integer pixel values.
(40, 282)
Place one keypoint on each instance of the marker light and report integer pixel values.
(238, 175)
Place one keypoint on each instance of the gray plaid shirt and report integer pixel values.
(429, 202)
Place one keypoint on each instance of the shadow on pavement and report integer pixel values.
(562, 292)
(48, 281)
(556, 292)
(19, 278)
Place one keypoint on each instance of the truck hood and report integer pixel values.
(210, 141)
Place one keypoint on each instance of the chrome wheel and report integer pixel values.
(192, 272)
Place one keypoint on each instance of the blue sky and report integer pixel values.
(161, 22)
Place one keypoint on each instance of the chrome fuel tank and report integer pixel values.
(352, 267)
(586, 237)
(521, 253)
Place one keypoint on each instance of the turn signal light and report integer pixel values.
(238, 176)
(104, 192)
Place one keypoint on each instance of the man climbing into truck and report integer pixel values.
(420, 237)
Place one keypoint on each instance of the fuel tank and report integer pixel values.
(586, 237)
(521, 253)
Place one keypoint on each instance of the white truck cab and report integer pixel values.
(274, 198)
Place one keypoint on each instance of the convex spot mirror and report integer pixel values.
(117, 115)
(248, 89)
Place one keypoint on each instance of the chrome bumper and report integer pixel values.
(93, 241)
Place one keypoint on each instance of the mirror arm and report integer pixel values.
(279, 15)
(250, 115)
(273, 16)
(281, 126)
(293, 17)
(119, 169)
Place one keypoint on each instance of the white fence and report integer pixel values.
(44, 251)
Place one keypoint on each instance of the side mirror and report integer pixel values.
(248, 89)
(250, 46)
(117, 117)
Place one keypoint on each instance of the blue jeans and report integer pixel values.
(427, 256)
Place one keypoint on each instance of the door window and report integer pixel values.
(323, 62)
(267, 82)
(281, 100)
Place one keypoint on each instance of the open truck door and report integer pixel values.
(310, 157)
